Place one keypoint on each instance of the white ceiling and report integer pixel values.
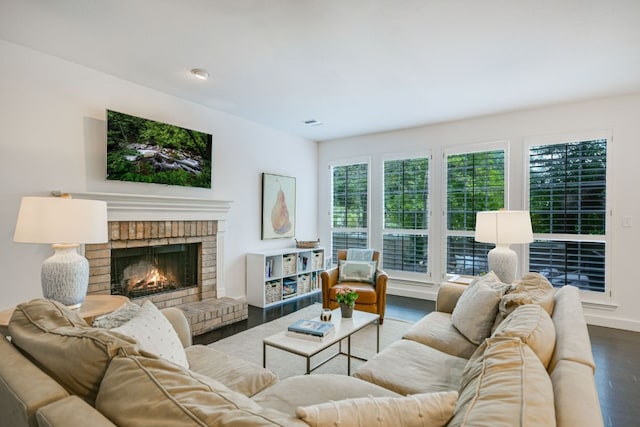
(357, 66)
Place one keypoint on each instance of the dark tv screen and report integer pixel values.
(143, 150)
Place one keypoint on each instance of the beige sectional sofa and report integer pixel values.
(58, 371)
(535, 367)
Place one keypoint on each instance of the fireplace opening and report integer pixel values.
(138, 272)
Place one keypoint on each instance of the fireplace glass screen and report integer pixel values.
(138, 272)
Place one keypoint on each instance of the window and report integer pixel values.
(568, 204)
(349, 223)
(475, 182)
(406, 214)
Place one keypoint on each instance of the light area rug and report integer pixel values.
(247, 345)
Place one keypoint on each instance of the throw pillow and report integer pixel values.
(61, 343)
(359, 254)
(476, 309)
(146, 391)
(155, 334)
(357, 271)
(533, 288)
(534, 327)
(504, 383)
(116, 318)
(432, 409)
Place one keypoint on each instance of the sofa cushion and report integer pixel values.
(148, 391)
(366, 292)
(432, 409)
(155, 334)
(235, 373)
(305, 390)
(357, 271)
(408, 367)
(59, 342)
(534, 327)
(436, 330)
(504, 382)
(475, 312)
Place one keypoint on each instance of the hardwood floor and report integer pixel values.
(616, 353)
(617, 357)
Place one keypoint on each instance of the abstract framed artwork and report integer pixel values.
(278, 206)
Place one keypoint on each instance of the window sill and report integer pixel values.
(600, 305)
(411, 281)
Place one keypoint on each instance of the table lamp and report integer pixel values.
(503, 228)
(65, 223)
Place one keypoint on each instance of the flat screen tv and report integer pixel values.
(143, 150)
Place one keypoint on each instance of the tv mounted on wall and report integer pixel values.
(143, 150)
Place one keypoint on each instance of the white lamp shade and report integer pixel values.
(61, 221)
(504, 227)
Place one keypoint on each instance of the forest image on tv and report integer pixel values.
(143, 150)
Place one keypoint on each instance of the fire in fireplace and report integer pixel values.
(137, 272)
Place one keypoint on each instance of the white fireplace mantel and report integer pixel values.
(136, 207)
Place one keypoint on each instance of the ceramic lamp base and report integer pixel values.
(65, 276)
(503, 261)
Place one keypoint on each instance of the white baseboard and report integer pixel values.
(612, 322)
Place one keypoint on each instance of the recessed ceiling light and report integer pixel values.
(312, 122)
(200, 73)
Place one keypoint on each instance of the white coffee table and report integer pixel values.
(309, 348)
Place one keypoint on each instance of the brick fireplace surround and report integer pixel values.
(141, 221)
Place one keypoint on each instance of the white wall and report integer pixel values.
(619, 114)
(52, 137)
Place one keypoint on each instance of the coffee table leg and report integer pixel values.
(378, 336)
(264, 355)
(349, 355)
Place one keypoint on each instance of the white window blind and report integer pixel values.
(349, 207)
(475, 182)
(567, 200)
(406, 215)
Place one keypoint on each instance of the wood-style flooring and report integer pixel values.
(616, 353)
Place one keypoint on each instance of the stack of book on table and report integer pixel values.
(310, 329)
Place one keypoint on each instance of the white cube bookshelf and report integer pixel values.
(280, 275)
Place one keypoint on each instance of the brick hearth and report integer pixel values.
(200, 304)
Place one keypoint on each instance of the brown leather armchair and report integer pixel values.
(370, 298)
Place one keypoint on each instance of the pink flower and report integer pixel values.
(346, 296)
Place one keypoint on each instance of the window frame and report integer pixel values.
(471, 148)
(566, 138)
(402, 274)
(332, 229)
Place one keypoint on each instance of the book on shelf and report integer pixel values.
(309, 336)
(269, 267)
(311, 327)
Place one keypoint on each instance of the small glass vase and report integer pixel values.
(346, 310)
